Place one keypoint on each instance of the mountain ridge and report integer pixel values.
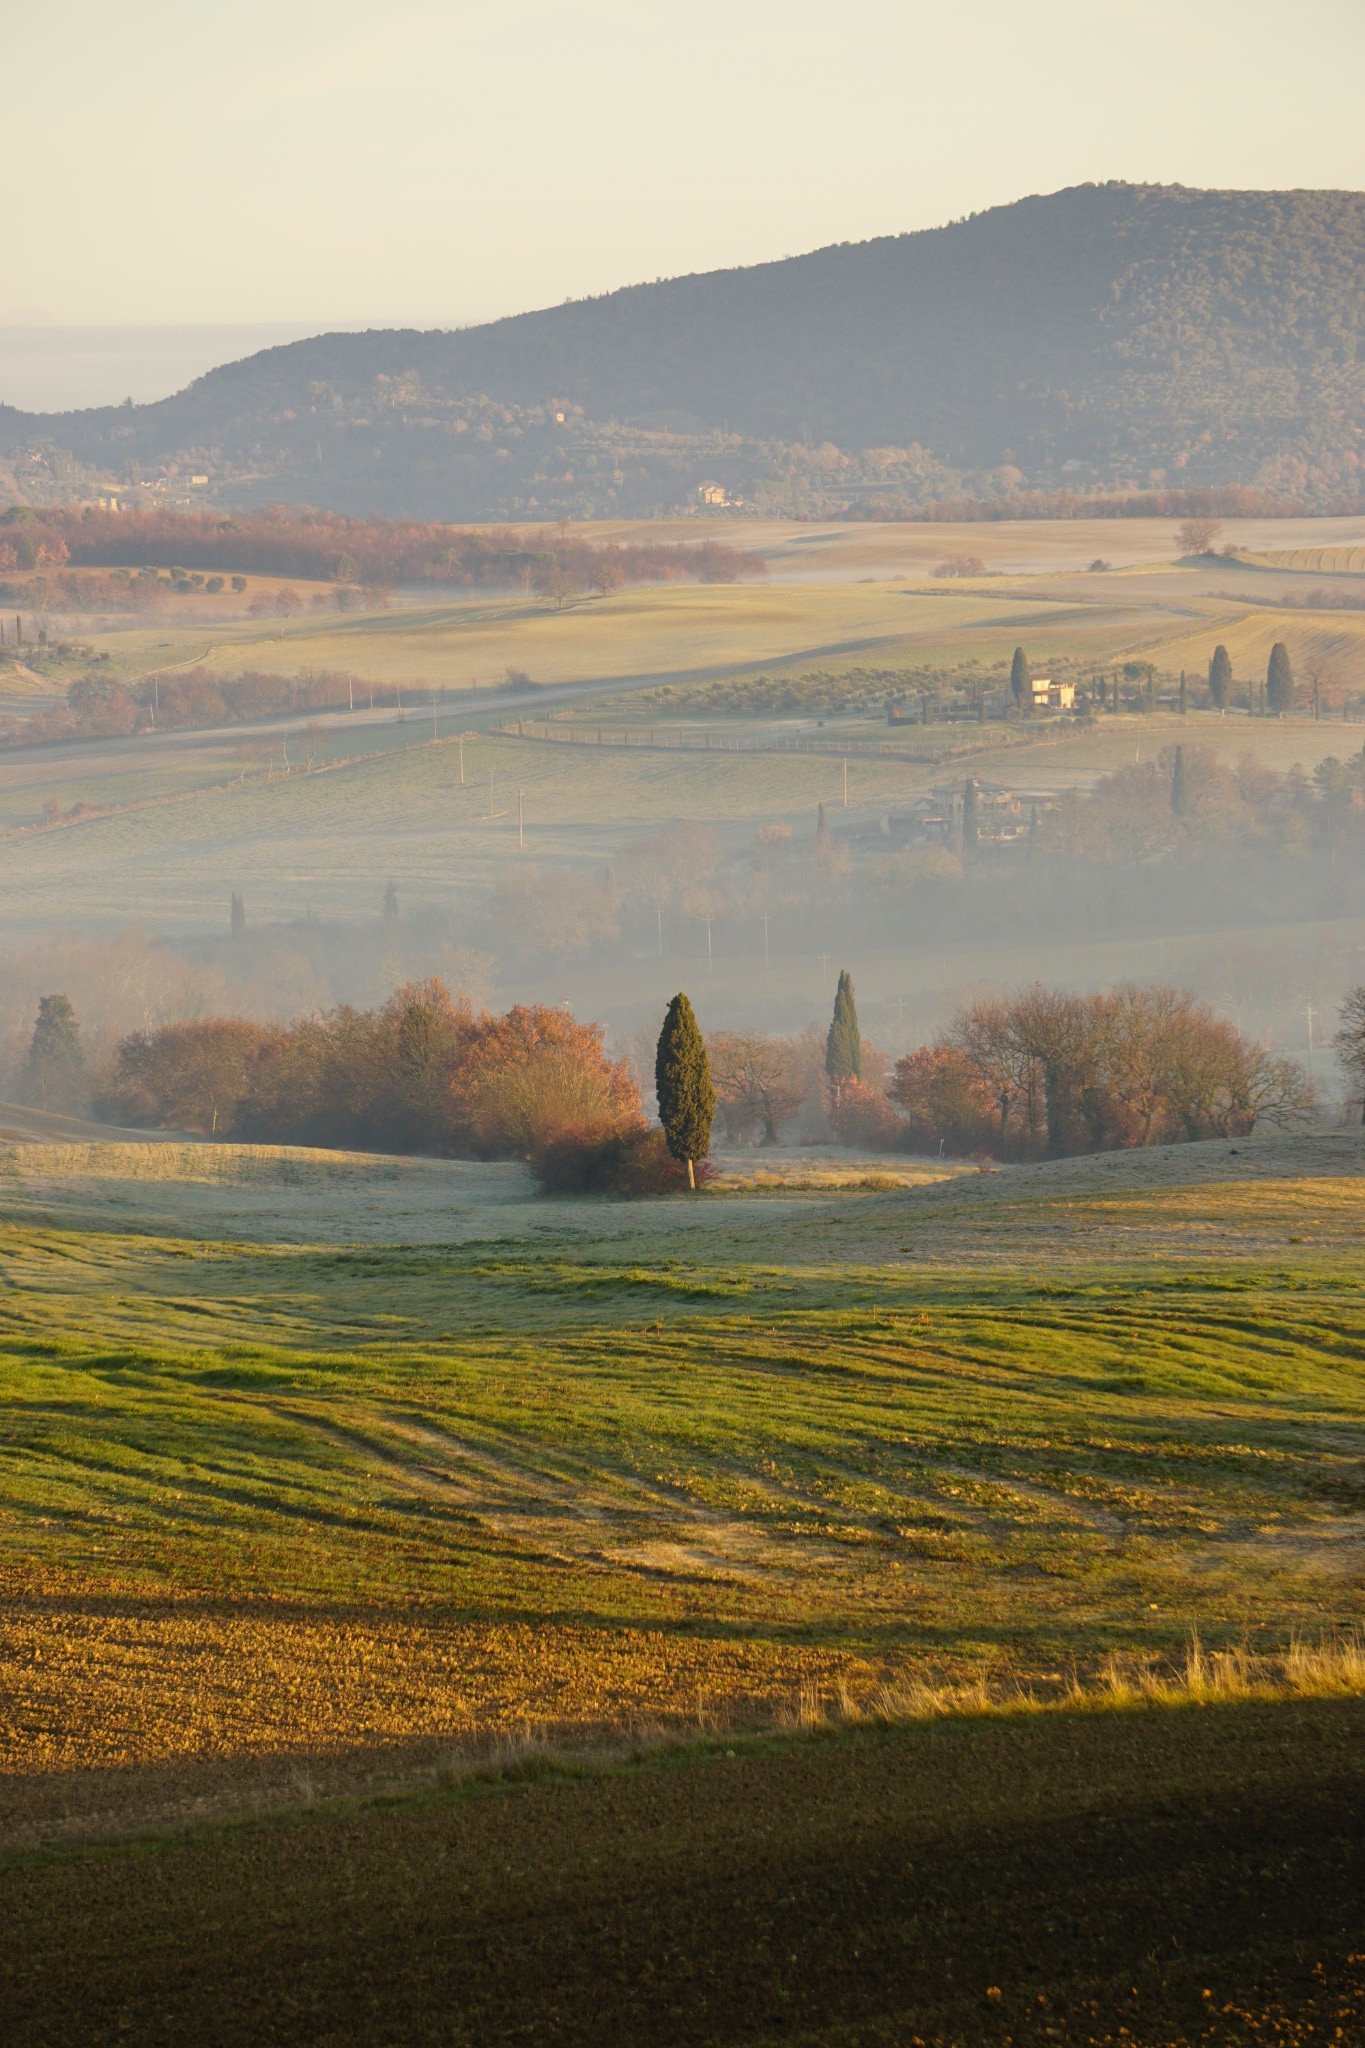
(1107, 336)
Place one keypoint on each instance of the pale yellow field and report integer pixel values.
(658, 630)
(1331, 642)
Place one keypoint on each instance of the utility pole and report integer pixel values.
(765, 938)
(350, 693)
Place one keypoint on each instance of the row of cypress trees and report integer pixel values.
(1279, 680)
(682, 1072)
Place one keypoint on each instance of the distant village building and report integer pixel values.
(713, 494)
(1050, 696)
(1002, 815)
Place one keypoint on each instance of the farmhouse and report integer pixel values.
(1050, 696)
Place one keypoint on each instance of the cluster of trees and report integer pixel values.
(97, 707)
(423, 1073)
(324, 547)
(1043, 1072)
(1046, 1071)
(1188, 805)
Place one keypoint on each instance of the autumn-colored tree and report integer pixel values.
(756, 1084)
(1197, 536)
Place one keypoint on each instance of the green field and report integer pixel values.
(605, 1460)
(433, 1613)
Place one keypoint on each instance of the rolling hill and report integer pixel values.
(1108, 337)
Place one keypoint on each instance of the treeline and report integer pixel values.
(325, 547)
(1040, 1074)
(97, 709)
(1045, 1072)
(1216, 501)
(426, 1073)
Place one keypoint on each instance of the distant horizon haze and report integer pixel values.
(455, 161)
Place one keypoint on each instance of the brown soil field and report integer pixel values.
(1157, 1879)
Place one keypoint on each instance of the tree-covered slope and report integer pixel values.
(1109, 335)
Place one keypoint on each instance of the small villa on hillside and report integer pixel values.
(1050, 696)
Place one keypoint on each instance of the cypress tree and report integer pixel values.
(824, 838)
(682, 1082)
(1279, 680)
(238, 916)
(971, 821)
(390, 904)
(1021, 682)
(1220, 677)
(56, 1058)
(1178, 783)
(1184, 694)
(56, 1034)
(844, 1044)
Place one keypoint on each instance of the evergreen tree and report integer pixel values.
(683, 1084)
(1184, 695)
(391, 904)
(56, 1059)
(1021, 682)
(1220, 678)
(1279, 680)
(844, 1044)
(238, 916)
(1178, 783)
(824, 838)
(971, 820)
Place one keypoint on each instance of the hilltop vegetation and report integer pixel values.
(1138, 338)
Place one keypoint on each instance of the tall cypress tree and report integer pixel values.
(1220, 677)
(824, 838)
(238, 916)
(1021, 682)
(844, 1044)
(683, 1084)
(1184, 699)
(1178, 783)
(56, 1059)
(1279, 680)
(971, 818)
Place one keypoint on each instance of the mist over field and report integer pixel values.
(583, 790)
(682, 1045)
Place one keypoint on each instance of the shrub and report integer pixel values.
(621, 1163)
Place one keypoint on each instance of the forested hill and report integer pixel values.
(1110, 336)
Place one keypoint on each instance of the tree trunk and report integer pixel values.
(691, 1177)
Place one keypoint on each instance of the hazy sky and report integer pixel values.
(334, 162)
